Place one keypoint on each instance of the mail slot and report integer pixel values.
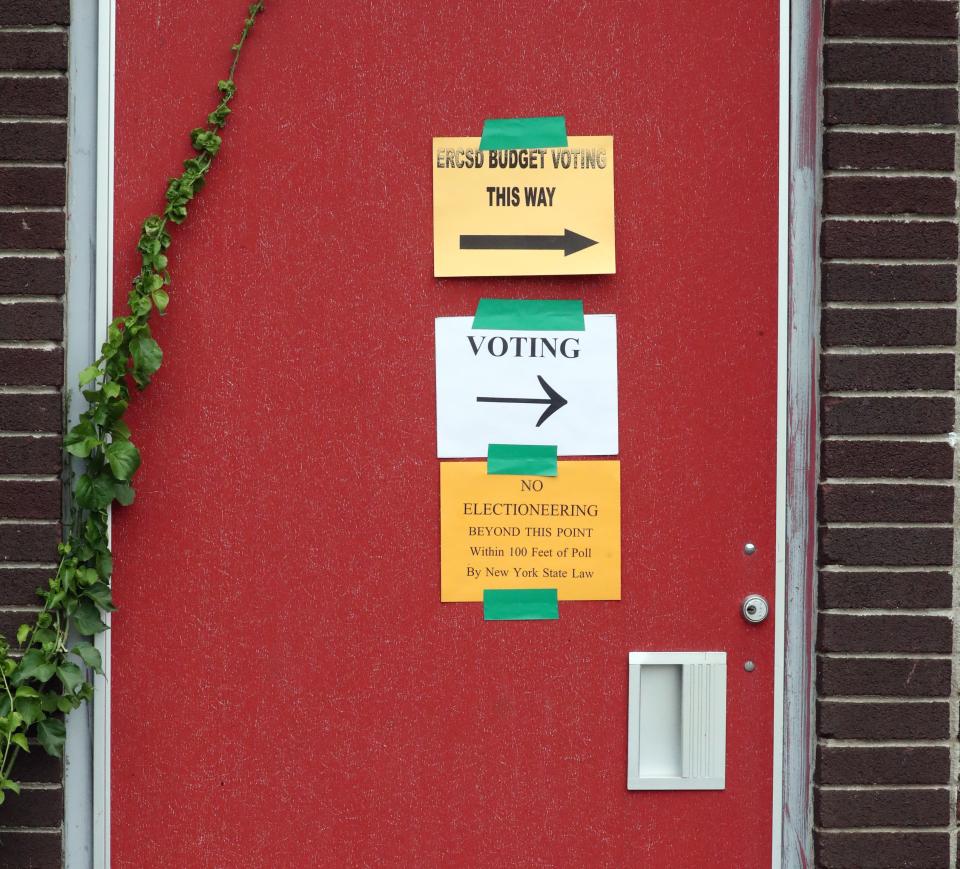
(676, 721)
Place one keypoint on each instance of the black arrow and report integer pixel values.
(570, 242)
(554, 401)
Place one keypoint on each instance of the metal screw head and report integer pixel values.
(749, 666)
(749, 549)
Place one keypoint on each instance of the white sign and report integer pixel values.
(519, 387)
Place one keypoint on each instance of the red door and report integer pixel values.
(287, 688)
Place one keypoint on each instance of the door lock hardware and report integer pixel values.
(755, 608)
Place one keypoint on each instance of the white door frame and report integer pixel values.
(801, 37)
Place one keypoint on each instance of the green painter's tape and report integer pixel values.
(519, 604)
(502, 134)
(532, 460)
(557, 315)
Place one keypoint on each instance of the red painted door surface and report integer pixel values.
(288, 689)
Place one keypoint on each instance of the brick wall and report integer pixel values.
(33, 150)
(886, 771)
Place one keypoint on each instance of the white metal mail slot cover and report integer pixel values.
(677, 721)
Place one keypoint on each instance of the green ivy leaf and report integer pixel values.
(86, 618)
(52, 734)
(91, 372)
(124, 494)
(20, 740)
(29, 709)
(100, 594)
(34, 665)
(94, 493)
(123, 458)
(66, 702)
(22, 633)
(10, 722)
(140, 305)
(70, 676)
(147, 358)
(105, 563)
(82, 449)
(90, 656)
(160, 299)
(10, 785)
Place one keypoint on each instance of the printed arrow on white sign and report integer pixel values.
(554, 401)
(490, 382)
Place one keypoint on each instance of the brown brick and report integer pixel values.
(888, 239)
(920, 460)
(931, 151)
(29, 499)
(896, 547)
(29, 543)
(30, 455)
(845, 719)
(891, 18)
(31, 321)
(838, 632)
(34, 808)
(888, 327)
(884, 677)
(33, 185)
(10, 622)
(42, 276)
(33, 96)
(842, 589)
(27, 366)
(894, 106)
(35, 12)
(848, 416)
(883, 766)
(883, 62)
(33, 850)
(38, 766)
(916, 195)
(877, 502)
(850, 282)
(835, 850)
(25, 50)
(884, 808)
(18, 585)
(31, 412)
(32, 230)
(894, 371)
(33, 141)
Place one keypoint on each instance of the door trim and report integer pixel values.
(797, 433)
(106, 78)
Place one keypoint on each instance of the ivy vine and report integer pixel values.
(48, 675)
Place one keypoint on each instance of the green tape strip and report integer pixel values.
(501, 134)
(534, 460)
(557, 315)
(518, 604)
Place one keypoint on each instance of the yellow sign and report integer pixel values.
(502, 531)
(541, 211)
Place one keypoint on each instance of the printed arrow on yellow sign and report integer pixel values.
(570, 242)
